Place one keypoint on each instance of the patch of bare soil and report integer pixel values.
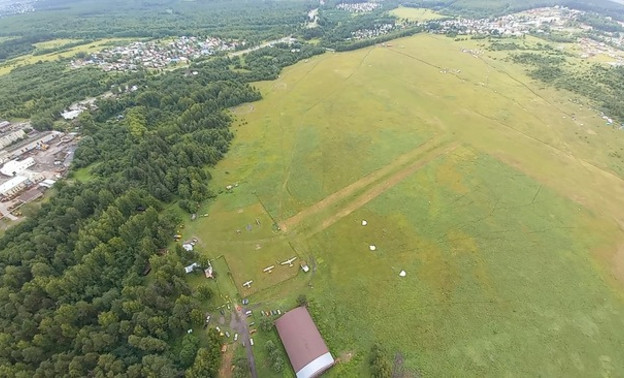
(345, 357)
(398, 368)
(226, 363)
(243, 109)
(280, 86)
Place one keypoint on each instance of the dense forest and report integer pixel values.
(41, 91)
(86, 19)
(76, 301)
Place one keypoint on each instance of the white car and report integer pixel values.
(235, 336)
(251, 342)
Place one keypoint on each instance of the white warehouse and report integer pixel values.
(13, 186)
(15, 167)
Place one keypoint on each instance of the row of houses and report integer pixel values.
(4, 125)
(156, 54)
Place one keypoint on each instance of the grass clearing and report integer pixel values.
(82, 174)
(503, 209)
(5, 38)
(55, 43)
(416, 14)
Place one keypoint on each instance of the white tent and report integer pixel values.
(190, 268)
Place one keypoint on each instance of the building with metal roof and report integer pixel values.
(304, 344)
(15, 167)
(13, 186)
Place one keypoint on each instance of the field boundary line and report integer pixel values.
(357, 185)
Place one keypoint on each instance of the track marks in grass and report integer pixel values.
(339, 87)
(382, 186)
(358, 185)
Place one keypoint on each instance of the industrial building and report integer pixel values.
(47, 184)
(29, 158)
(304, 344)
(15, 167)
(12, 187)
(39, 142)
(11, 137)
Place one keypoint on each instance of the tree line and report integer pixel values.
(87, 19)
(604, 85)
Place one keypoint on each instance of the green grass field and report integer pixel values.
(416, 14)
(495, 195)
(54, 43)
(4, 39)
(82, 174)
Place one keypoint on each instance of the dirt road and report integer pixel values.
(238, 323)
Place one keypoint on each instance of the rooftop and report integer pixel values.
(304, 344)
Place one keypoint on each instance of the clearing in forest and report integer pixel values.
(496, 197)
(416, 14)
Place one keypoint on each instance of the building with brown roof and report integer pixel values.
(304, 344)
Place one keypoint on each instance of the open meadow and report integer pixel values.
(495, 195)
(416, 14)
(55, 43)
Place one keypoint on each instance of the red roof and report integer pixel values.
(301, 338)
